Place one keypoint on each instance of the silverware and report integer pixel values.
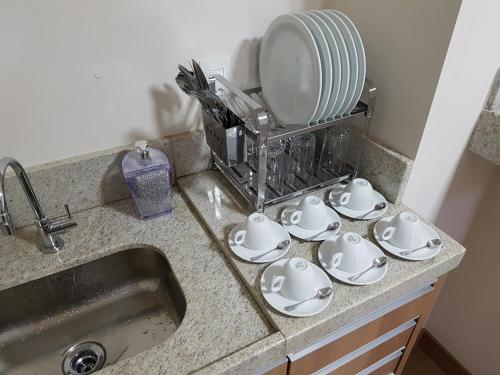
(331, 227)
(320, 294)
(200, 75)
(377, 263)
(195, 84)
(282, 245)
(431, 244)
(378, 206)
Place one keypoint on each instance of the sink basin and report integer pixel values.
(87, 317)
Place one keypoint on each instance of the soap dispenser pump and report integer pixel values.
(148, 175)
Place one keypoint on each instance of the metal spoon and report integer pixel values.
(431, 244)
(332, 226)
(378, 206)
(320, 294)
(377, 263)
(280, 246)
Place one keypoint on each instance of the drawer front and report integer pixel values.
(385, 366)
(374, 355)
(388, 368)
(334, 350)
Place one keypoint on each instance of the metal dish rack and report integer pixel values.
(229, 146)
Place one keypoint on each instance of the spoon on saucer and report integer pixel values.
(320, 294)
(378, 206)
(377, 263)
(431, 244)
(331, 227)
(282, 245)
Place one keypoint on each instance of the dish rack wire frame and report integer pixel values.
(257, 127)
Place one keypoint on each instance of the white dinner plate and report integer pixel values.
(326, 64)
(246, 254)
(352, 58)
(279, 302)
(334, 196)
(428, 233)
(370, 277)
(336, 64)
(290, 71)
(344, 61)
(360, 49)
(310, 234)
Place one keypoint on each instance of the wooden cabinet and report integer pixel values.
(379, 343)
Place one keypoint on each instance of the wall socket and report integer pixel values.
(216, 65)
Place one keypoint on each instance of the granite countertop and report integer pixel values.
(223, 326)
(350, 302)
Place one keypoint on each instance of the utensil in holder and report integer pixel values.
(228, 144)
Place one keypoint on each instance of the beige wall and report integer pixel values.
(83, 76)
(468, 310)
(80, 76)
(406, 43)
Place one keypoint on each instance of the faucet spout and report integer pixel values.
(47, 227)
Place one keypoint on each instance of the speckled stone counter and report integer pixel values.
(222, 319)
(350, 302)
(485, 140)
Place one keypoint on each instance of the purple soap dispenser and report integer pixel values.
(148, 175)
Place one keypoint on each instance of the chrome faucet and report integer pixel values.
(47, 228)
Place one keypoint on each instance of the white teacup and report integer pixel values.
(357, 195)
(404, 231)
(298, 281)
(258, 233)
(351, 253)
(310, 213)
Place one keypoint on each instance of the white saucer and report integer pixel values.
(310, 234)
(369, 277)
(245, 253)
(354, 214)
(428, 233)
(278, 302)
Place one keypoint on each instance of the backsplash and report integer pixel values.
(95, 179)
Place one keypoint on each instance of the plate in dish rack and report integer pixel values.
(290, 71)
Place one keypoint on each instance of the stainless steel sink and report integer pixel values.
(81, 319)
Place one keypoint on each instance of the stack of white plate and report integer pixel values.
(312, 66)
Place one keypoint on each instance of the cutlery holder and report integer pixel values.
(227, 144)
(258, 128)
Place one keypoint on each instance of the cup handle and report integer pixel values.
(295, 217)
(387, 233)
(336, 259)
(344, 198)
(277, 283)
(239, 237)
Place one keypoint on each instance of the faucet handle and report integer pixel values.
(6, 225)
(62, 222)
(68, 212)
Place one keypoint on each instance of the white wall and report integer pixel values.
(468, 72)
(52, 105)
(406, 43)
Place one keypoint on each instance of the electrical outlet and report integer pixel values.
(216, 65)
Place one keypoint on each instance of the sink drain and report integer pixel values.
(84, 358)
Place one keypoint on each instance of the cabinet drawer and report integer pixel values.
(385, 366)
(348, 366)
(340, 343)
(388, 368)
